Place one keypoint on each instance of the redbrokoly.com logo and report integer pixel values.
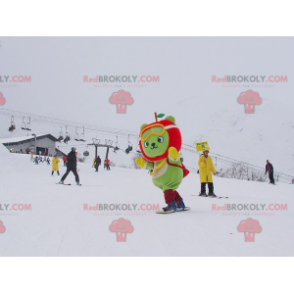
(7, 81)
(121, 99)
(250, 79)
(121, 227)
(249, 227)
(121, 79)
(2, 228)
(2, 99)
(249, 99)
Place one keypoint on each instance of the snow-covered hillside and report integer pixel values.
(45, 219)
(252, 138)
(230, 132)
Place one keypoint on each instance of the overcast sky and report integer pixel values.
(168, 75)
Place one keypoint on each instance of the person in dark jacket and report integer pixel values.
(97, 163)
(270, 169)
(71, 166)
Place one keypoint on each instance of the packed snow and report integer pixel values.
(45, 219)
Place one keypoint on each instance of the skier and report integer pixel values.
(48, 160)
(270, 169)
(55, 167)
(97, 163)
(160, 143)
(36, 160)
(64, 158)
(71, 166)
(107, 164)
(205, 168)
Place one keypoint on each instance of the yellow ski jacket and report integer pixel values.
(55, 162)
(205, 168)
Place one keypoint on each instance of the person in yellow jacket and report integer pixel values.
(206, 167)
(55, 167)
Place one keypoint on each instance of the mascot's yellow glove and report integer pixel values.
(140, 162)
(173, 153)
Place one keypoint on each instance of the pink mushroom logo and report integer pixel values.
(249, 227)
(121, 227)
(2, 228)
(2, 99)
(121, 99)
(249, 99)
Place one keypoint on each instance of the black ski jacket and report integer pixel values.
(98, 161)
(71, 160)
(269, 168)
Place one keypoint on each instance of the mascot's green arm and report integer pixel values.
(149, 165)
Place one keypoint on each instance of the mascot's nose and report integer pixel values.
(153, 145)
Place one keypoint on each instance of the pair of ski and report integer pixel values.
(67, 184)
(216, 197)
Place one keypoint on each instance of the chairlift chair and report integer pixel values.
(116, 148)
(77, 137)
(23, 125)
(12, 126)
(28, 126)
(130, 146)
(82, 136)
(67, 138)
(86, 153)
(60, 138)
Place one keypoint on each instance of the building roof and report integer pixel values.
(57, 150)
(27, 138)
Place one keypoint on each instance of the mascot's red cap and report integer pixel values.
(175, 138)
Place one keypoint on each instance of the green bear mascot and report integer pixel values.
(160, 143)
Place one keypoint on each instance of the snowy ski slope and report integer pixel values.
(45, 219)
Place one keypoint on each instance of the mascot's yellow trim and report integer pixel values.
(152, 133)
(159, 166)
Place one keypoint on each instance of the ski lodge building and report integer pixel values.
(45, 145)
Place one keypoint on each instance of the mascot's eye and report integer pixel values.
(146, 144)
(160, 140)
